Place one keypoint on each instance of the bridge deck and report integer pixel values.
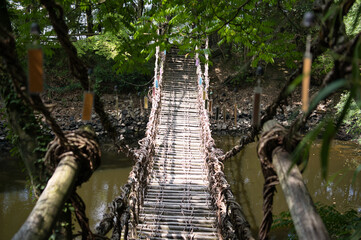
(178, 204)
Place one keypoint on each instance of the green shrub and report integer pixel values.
(352, 117)
(339, 225)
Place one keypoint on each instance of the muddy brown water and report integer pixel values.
(243, 173)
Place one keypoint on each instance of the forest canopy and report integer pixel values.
(127, 31)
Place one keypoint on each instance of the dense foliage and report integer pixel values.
(126, 31)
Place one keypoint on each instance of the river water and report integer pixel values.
(243, 173)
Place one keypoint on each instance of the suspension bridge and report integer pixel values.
(177, 188)
(185, 193)
(177, 203)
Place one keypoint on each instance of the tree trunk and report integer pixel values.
(140, 7)
(44, 215)
(307, 222)
(4, 16)
(89, 19)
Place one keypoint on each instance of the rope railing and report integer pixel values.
(206, 68)
(139, 176)
(230, 218)
(125, 209)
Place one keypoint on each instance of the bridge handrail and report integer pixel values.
(147, 144)
(230, 217)
(125, 208)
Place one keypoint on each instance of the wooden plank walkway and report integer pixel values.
(177, 204)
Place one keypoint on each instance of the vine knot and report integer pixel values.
(274, 136)
(83, 145)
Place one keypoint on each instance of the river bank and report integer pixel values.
(130, 118)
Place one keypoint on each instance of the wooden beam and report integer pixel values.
(43, 217)
(305, 218)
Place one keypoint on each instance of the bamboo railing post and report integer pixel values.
(235, 114)
(43, 217)
(224, 113)
(256, 116)
(308, 20)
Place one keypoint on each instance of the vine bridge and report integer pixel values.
(177, 189)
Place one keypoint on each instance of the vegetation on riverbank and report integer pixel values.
(340, 226)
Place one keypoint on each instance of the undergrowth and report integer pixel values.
(352, 118)
(340, 226)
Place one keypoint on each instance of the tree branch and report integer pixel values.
(79, 69)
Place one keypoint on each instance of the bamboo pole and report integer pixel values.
(43, 217)
(224, 114)
(306, 75)
(141, 107)
(87, 106)
(116, 105)
(307, 222)
(36, 73)
(235, 115)
(210, 108)
(257, 105)
(145, 103)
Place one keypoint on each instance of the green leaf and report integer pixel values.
(302, 149)
(357, 234)
(294, 84)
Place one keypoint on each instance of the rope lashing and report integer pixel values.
(83, 145)
(274, 136)
(268, 141)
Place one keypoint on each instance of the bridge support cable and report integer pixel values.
(230, 217)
